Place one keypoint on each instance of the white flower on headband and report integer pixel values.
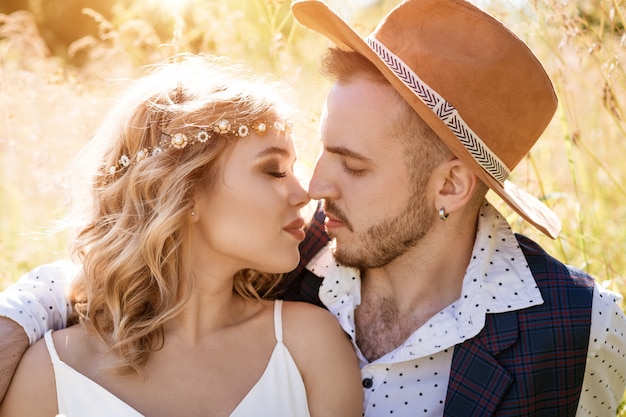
(260, 127)
(141, 155)
(203, 136)
(179, 140)
(125, 161)
(243, 131)
(222, 127)
(280, 126)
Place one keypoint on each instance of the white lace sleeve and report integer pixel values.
(605, 373)
(37, 301)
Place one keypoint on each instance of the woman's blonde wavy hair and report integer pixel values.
(134, 248)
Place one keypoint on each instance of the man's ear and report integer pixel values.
(455, 185)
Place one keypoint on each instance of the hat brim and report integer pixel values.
(317, 16)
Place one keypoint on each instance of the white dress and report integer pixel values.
(280, 391)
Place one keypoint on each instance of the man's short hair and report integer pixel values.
(342, 66)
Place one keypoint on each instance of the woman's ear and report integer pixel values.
(456, 185)
(192, 214)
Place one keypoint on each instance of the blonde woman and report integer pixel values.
(195, 193)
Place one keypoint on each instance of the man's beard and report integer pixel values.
(383, 242)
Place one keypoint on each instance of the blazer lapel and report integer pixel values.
(478, 382)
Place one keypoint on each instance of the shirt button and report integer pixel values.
(367, 383)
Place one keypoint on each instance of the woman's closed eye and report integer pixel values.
(274, 168)
(278, 174)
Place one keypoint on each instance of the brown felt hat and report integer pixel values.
(473, 81)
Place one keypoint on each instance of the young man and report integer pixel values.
(450, 313)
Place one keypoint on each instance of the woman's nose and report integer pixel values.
(299, 197)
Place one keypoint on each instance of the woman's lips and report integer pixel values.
(295, 228)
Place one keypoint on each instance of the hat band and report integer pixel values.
(445, 111)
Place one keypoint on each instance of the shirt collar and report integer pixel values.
(497, 279)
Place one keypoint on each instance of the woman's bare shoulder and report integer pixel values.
(325, 358)
(300, 313)
(33, 390)
(306, 325)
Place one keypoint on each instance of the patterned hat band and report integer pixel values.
(180, 141)
(445, 111)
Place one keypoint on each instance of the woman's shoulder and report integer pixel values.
(304, 322)
(325, 358)
(32, 391)
(79, 348)
(306, 312)
(36, 357)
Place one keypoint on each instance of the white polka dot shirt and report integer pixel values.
(37, 300)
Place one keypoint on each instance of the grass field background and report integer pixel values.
(62, 63)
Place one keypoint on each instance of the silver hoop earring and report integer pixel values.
(442, 214)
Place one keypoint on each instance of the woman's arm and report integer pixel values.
(326, 360)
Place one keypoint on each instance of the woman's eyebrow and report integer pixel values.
(273, 150)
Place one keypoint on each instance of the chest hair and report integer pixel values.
(380, 327)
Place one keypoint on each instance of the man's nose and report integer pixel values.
(322, 185)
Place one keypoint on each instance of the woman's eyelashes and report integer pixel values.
(273, 169)
(278, 174)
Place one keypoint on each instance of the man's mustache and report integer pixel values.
(331, 208)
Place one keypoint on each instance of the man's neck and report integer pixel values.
(400, 297)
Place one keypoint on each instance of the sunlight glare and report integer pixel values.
(172, 7)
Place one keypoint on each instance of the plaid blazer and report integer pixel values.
(523, 363)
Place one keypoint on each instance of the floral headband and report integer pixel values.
(181, 140)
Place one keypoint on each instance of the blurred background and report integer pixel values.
(62, 62)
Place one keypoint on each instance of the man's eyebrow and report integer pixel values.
(273, 150)
(340, 150)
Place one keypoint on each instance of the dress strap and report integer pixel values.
(278, 320)
(50, 345)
